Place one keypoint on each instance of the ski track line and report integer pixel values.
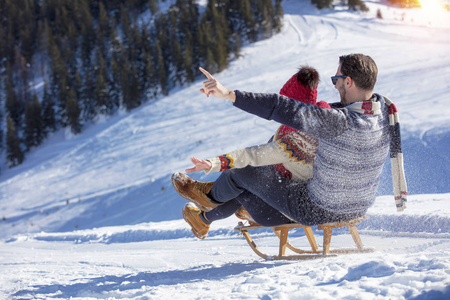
(334, 28)
(296, 29)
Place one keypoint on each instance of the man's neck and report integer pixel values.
(357, 97)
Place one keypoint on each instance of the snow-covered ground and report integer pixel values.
(94, 216)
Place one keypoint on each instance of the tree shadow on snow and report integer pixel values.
(112, 283)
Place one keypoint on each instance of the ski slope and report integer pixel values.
(94, 215)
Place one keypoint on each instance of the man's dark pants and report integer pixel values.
(270, 199)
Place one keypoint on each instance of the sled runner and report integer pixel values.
(282, 232)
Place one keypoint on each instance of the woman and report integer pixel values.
(290, 154)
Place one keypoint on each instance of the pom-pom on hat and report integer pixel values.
(302, 86)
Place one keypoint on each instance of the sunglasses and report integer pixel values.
(334, 79)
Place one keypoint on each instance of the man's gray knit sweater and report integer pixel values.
(352, 147)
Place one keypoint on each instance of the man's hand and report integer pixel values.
(215, 88)
(200, 165)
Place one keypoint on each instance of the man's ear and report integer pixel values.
(349, 82)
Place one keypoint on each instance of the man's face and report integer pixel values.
(340, 86)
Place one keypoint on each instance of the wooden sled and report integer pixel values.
(282, 232)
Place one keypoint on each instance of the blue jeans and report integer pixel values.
(270, 199)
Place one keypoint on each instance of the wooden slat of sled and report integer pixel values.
(282, 232)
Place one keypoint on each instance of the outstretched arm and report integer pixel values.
(319, 122)
(279, 151)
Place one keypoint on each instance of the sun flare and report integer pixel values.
(432, 5)
(434, 11)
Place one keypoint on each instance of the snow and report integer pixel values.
(94, 215)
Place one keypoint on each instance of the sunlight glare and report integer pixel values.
(433, 10)
(432, 5)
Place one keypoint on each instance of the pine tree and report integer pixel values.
(130, 86)
(27, 45)
(191, 47)
(70, 63)
(162, 33)
(77, 85)
(357, 5)
(202, 42)
(38, 122)
(59, 76)
(10, 18)
(145, 41)
(14, 153)
(48, 112)
(12, 104)
(320, 4)
(73, 112)
(125, 73)
(3, 47)
(162, 74)
(278, 15)
(87, 33)
(47, 39)
(134, 92)
(135, 48)
(220, 34)
(154, 6)
(22, 78)
(237, 45)
(26, 29)
(245, 11)
(115, 79)
(103, 30)
(94, 7)
(210, 62)
(87, 100)
(178, 62)
(61, 24)
(101, 95)
(149, 76)
(73, 35)
(103, 20)
(125, 23)
(16, 77)
(33, 124)
(29, 130)
(188, 57)
(115, 87)
(266, 16)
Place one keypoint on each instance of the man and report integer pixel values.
(355, 137)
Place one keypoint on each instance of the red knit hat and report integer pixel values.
(302, 86)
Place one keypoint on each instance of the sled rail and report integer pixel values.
(282, 232)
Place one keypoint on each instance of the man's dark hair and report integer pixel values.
(361, 68)
(308, 76)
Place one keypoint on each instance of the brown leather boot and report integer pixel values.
(193, 190)
(191, 214)
(243, 214)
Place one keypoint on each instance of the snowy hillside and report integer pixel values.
(95, 216)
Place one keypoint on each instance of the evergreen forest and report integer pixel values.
(64, 63)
